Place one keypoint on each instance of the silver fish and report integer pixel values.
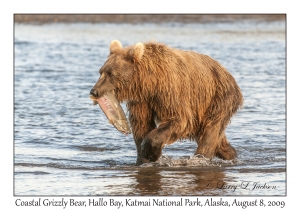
(113, 111)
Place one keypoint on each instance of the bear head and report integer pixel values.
(117, 72)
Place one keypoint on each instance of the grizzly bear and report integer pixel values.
(171, 94)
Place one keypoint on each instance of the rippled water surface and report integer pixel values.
(65, 146)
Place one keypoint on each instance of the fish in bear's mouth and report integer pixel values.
(113, 111)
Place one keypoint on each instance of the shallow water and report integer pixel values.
(63, 145)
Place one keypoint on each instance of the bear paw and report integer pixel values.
(151, 150)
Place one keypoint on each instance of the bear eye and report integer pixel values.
(108, 73)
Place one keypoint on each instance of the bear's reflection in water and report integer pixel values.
(170, 177)
(153, 181)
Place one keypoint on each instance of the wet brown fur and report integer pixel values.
(172, 94)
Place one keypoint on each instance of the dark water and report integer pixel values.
(65, 146)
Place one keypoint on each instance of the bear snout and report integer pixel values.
(94, 93)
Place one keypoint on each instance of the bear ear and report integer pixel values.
(115, 45)
(138, 51)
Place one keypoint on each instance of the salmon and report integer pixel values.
(113, 111)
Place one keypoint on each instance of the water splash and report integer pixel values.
(191, 161)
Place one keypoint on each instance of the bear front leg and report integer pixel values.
(154, 142)
(142, 122)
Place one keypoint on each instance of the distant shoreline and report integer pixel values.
(144, 18)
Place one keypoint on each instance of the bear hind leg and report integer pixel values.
(212, 144)
(208, 141)
(225, 151)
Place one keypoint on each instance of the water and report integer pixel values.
(63, 145)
